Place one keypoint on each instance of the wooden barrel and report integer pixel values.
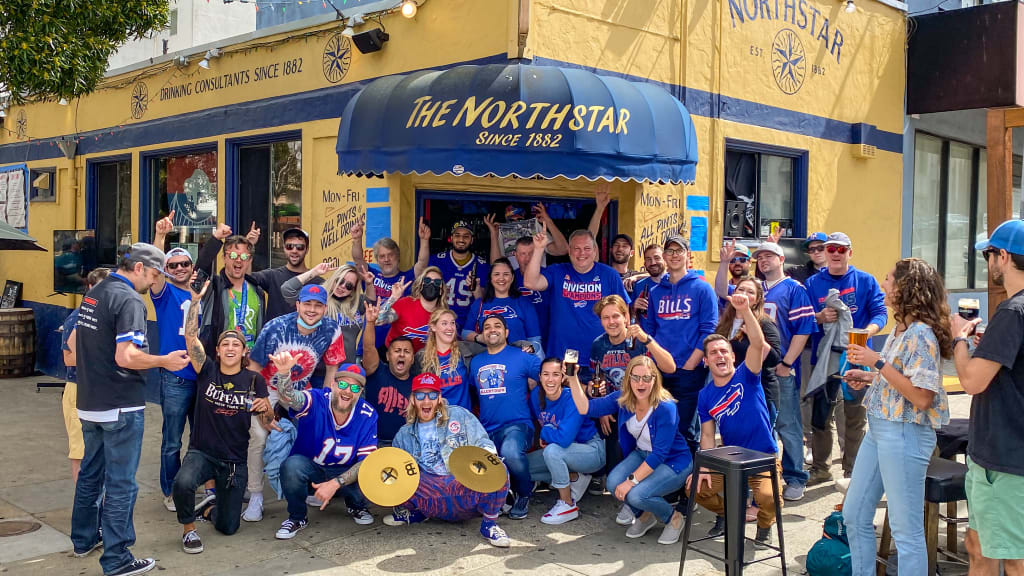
(17, 342)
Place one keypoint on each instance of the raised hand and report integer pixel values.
(283, 361)
(601, 192)
(165, 225)
(728, 247)
(253, 236)
(357, 229)
(323, 268)
(492, 226)
(365, 274)
(739, 301)
(222, 231)
(541, 212)
(202, 291)
(540, 241)
(399, 287)
(424, 230)
(371, 313)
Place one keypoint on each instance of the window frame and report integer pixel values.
(801, 161)
(146, 184)
(34, 173)
(91, 195)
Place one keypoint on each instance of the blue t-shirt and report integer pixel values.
(390, 397)
(611, 359)
(430, 459)
(69, 326)
(282, 334)
(171, 305)
(560, 421)
(573, 296)
(519, 313)
(460, 297)
(454, 382)
(541, 303)
(789, 306)
(382, 284)
(740, 411)
(319, 437)
(501, 382)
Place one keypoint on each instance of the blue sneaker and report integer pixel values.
(520, 508)
(402, 516)
(494, 535)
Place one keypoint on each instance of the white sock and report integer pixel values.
(256, 500)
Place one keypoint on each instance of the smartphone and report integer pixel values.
(201, 278)
(572, 358)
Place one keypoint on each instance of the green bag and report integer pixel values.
(830, 556)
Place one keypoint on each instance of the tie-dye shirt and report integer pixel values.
(915, 353)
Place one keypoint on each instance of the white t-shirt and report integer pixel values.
(638, 429)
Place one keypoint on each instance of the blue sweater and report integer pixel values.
(857, 289)
(681, 315)
(560, 422)
(668, 445)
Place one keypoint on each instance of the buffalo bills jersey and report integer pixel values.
(320, 439)
(460, 297)
(411, 321)
(382, 286)
(786, 302)
(739, 410)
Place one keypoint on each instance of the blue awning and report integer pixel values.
(520, 120)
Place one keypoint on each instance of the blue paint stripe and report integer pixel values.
(698, 233)
(378, 194)
(698, 203)
(378, 224)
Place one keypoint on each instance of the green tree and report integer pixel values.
(60, 48)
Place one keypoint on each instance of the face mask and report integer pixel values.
(302, 323)
(430, 292)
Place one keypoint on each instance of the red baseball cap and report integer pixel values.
(426, 381)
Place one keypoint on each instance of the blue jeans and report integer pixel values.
(112, 451)
(893, 458)
(685, 385)
(790, 429)
(177, 396)
(297, 475)
(512, 442)
(649, 495)
(554, 463)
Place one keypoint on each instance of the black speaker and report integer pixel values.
(370, 41)
(735, 212)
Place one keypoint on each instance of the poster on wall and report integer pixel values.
(14, 196)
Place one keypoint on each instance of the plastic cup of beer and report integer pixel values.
(859, 337)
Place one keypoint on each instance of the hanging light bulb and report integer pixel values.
(409, 8)
(850, 8)
(63, 102)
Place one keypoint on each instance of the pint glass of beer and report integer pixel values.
(969, 308)
(859, 337)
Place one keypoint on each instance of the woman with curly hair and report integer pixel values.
(410, 316)
(905, 404)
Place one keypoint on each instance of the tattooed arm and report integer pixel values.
(196, 353)
(282, 380)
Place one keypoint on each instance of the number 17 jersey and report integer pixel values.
(456, 277)
(320, 439)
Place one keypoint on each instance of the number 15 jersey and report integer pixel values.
(326, 443)
(456, 277)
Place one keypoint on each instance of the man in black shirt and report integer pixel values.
(995, 379)
(226, 395)
(111, 350)
(388, 384)
(296, 246)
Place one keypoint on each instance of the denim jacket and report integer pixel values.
(463, 429)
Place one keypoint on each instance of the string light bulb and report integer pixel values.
(63, 102)
(409, 8)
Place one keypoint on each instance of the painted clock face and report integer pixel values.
(337, 58)
(789, 61)
(140, 99)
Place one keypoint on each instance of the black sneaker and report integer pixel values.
(718, 529)
(596, 486)
(97, 545)
(137, 566)
(289, 528)
(763, 538)
(191, 543)
(203, 513)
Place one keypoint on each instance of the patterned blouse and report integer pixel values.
(915, 353)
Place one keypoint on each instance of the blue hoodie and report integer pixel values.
(681, 315)
(857, 289)
(560, 422)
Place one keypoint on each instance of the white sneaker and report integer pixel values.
(361, 517)
(808, 456)
(579, 487)
(314, 502)
(625, 517)
(843, 485)
(169, 504)
(254, 511)
(562, 512)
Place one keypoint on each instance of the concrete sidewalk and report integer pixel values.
(36, 485)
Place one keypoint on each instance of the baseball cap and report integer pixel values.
(677, 239)
(291, 232)
(462, 224)
(179, 251)
(1007, 236)
(771, 247)
(351, 372)
(313, 292)
(814, 237)
(426, 381)
(741, 250)
(232, 333)
(625, 237)
(149, 255)
(497, 317)
(838, 239)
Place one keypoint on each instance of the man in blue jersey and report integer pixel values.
(504, 376)
(682, 311)
(861, 293)
(786, 302)
(464, 272)
(336, 430)
(574, 288)
(386, 255)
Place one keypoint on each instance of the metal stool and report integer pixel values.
(736, 465)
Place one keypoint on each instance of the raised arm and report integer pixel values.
(532, 278)
(196, 352)
(291, 288)
(290, 397)
(579, 397)
(756, 350)
(602, 199)
(722, 275)
(371, 359)
(162, 228)
(423, 257)
(207, 259)
(357, 242)
(495, 240)
(559, 246)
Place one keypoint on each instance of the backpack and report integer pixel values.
(830, 556)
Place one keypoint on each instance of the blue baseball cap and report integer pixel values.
(1007, 236)
(814, 237)
(313, 292)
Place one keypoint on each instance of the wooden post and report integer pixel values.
(999, 136)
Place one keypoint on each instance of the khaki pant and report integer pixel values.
(257, 443)
(851, 420)
(760, 486)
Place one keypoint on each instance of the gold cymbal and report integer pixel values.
(389, 476)
(477, 469)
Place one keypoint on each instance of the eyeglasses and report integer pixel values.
(424, 395)
(740, 260)
(815, 249)
(435, 281)
(355, 388)
(673, 251)
(294, 246)
(989, 252)
(239, 256)
(176, 265)
(833, 249)
(347, 286)
(646, 378)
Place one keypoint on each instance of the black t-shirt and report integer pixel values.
(221, 418)
(996, 438)
(271, 280)
(390, 396)
(111, 312)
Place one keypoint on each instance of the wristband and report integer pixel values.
(341, 483)
(786, 364)
(961, 339)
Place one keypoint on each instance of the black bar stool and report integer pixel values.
(736, 465)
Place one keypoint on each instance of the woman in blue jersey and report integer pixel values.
(657, 459)
(502, 298)
(571, 450)
(443, 357)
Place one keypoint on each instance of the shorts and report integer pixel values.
(69, 405)
(996, 511)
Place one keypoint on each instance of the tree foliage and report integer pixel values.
(60, 48)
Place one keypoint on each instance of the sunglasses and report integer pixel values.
(815, 249)
(435, 281)
(342, 385)
(740, 260)
(989, 252)
(347, 286)
(176, 265)
(646, 379)
(833, 249)
(239, 256)
(294, 246)
(424, 395)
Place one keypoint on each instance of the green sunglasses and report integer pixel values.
(342, 385)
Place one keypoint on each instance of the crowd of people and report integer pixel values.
(584, 376)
